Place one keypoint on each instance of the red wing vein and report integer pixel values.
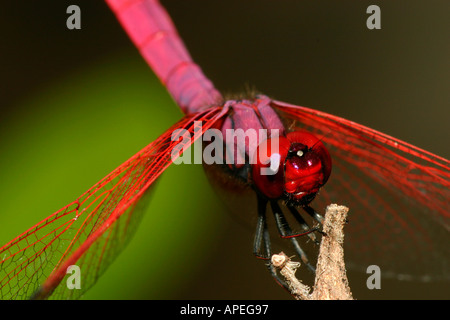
(93, 229)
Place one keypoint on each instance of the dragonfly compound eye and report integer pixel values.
(294, 167)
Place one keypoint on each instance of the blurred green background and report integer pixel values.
(76, 104)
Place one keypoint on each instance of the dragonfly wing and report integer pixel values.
(398, 195)
(91, 231)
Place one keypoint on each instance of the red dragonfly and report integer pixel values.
(398, 194)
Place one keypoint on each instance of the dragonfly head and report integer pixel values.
(292, 167)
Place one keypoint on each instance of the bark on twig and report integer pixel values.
(331, 281)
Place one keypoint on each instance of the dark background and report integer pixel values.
(90, 89)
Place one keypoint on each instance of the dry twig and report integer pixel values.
(331, 281)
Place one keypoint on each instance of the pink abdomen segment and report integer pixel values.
(152, 31)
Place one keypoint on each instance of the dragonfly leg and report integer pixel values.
(262, 239)
(285, 231)
(262, 234)
(314, 214)
(304, 225)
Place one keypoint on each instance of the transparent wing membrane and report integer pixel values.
(92, 230)
(398, 195)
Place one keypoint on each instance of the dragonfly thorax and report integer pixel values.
(291, 166)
